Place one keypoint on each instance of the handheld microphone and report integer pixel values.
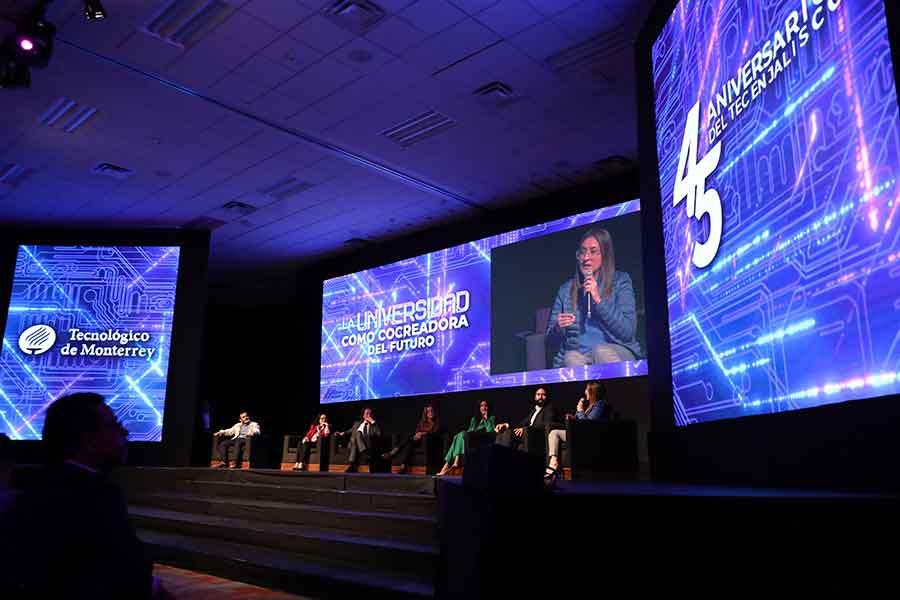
(587, 293)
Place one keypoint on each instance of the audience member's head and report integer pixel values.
(7, 461)
(540, 396)
(82, 428)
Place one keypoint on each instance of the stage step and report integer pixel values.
(415, 529)
(371, 553)
(291, 572)
(347, 499)
(300, 532)
(137, 478)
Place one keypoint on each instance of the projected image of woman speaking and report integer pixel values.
(593, 319)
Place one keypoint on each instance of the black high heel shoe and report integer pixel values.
(552, 476)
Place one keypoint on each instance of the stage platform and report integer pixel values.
(641, 537)
(314, 534)
(383, 535)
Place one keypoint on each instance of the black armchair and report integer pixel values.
(339, 454)
(534, 441)
(600, 448)
(427, 456)
(319, 453)
(254, 454)
(477, 439)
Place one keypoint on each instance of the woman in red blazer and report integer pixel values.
(319, 429)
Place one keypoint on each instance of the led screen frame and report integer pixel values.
(346, 377)
(866, 384)
(187, 342)
(89, 318)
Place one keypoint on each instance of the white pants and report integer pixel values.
(554, 440)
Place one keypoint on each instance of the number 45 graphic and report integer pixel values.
(691, 187)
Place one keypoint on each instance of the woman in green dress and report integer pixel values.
(483, 421)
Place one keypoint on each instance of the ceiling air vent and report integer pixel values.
(285, 188)
(356, 16)
(12, 174)
(496, 94)
(419, 128)
(208, 223)
(184, 22)
(594, 59)
(111, 170)
(238, 209)
(356, 243)
(62, 108)
(57, 111)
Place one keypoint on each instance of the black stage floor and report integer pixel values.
(384, 535)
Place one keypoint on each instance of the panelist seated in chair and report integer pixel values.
(483, 421)
(364, 438)
(428, 424)
(236, 436)
(593, 406)
(319, 429)
(542, 413)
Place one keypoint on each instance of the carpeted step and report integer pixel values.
(310, 575)
(415, 529)
(367, 552)
(395, 502)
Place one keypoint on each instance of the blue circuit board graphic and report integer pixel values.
(89, 319)
(799, 307)
(458, 359)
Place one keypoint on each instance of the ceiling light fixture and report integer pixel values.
(30, 46)
(33, 42)
(93, 10)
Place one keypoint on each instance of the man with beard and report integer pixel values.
(541, 413)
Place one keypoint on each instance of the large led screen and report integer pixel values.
(89, 319)
(778, 141)
(560, 301)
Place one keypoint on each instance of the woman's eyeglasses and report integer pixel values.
(592, 252)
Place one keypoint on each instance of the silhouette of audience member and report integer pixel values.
(7, 464)
(70, 530)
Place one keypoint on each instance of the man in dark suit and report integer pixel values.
(70, 529)
(365, 436)
(541, 413)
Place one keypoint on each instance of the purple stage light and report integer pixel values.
(26, 44)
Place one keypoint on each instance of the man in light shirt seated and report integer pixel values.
(236, 436)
